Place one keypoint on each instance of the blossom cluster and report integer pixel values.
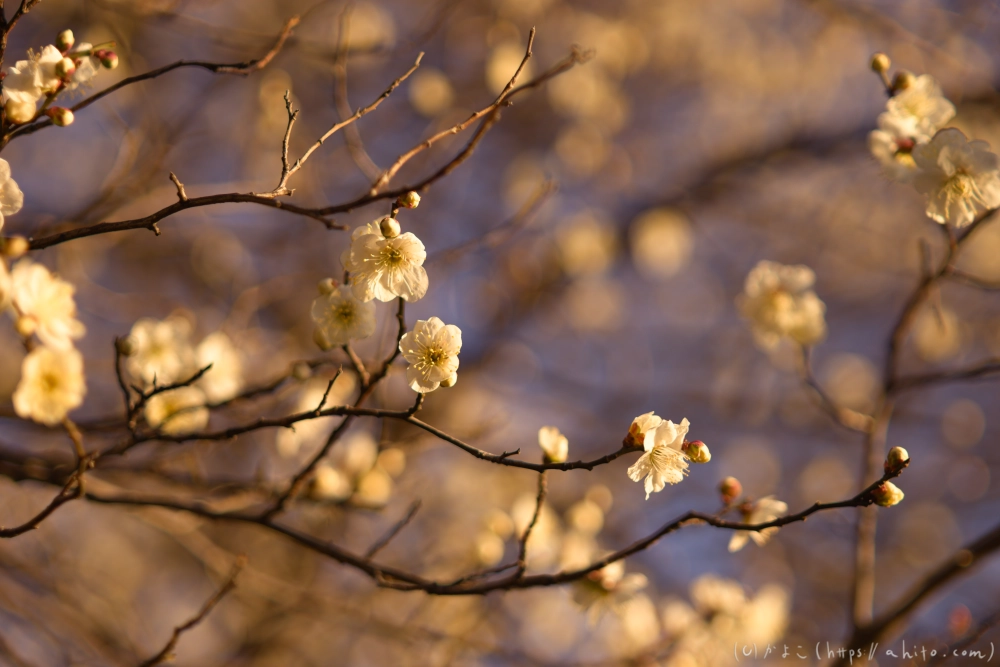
(958, 177)
(60, 67)
(779, 302)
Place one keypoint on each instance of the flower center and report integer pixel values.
(434, 356)
(344, 313)
(961, 185)
(50, 382)
(392, 257)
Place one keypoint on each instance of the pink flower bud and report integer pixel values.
(409, 200)
(65, 41)
(730, 489)
(60, 116)
(887, 494)
(109, 59)
(697, 451)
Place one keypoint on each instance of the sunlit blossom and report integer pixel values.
(341, 317)
(179, 411)
(764, 510)
(385, 268)
(663, 462)
(778, 300)
(162, 351)
(432, 350)
(45, 305)
(959, 177)
(554, 444)
(51, 385)
(224, 379)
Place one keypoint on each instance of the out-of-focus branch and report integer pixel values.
(971, 637)
(243, 69)
(166, 653)
(383, 541)
(522, 550)
(352, 137)
(851, 419)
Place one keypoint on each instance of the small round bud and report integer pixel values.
(19, 112)
(65, 41)
(125, 346)
(25, 326)
(887, 494)
(880, 63)
(320, 339)
(109, 59)
(60, 116)
(697, 451)
(450, 381)
(897, 459)
(65, 68)
(902, 81)
(389, 227)
(730, 489)
(327, 286)
(301, 371)
(15, 246)
(410, 200)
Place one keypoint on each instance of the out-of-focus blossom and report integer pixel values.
(587, 245)
(341, 317)
(51, 385)
(431, 93)
(661, 242)
(764, 510)
(179, 411)
(432, 350)
(11, 197)
(225, 378)
(922, 106)
(384, 268)
(892, 145)
(958, 177)
(162, 351)
(329, 483)
(554, 444)
(45, 305)
(663, 463)
(5, 285)
(778, 300)
(607, 589)
(310, 432)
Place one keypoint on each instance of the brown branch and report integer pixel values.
(522, 551)
(951, 651)
(383, 541)
(70, 491)
(983, 369)
(243, 69)
(851, 419)
(166, 653)
(352, 137)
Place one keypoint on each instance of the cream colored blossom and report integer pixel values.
(179, 411)
(778, 300)
(224, 379)
(51, 385)
(554, 444)
(162, 351)
(341, 317)
(384, 268)
(640, 426)
(663, 463)
(432, 350)
(764, 510)
(11, 197)
(310, 433)
(45, 305)
(30, 80)
(892, 145)
(958, 177)
(921, 105)
(607, 589)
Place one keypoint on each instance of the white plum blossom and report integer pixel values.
(764, 510)
(385, 268)
(86, 65)
(177, 412)
(51, 385)
(958, 177)
(640, 426)
(45, 305)
(341, 317)
(892, 145)
(779, 302)
(162, 351)
(432, 350)
(225, 378)
(607, 589)
(11, 197)
(30, 80)
(663, 462)
(922, 106)
(554, 444)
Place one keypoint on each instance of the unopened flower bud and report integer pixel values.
(389, 227)
(25, 326)
(125, 346)
(880, 63)
(902, 81)
(60, 116)
(65, 40)
(320, 339)
(730, 489)
(887, 494)
(301, 371)
(65, 68)
(697, 451)
(410, 200)
(109, 59)
(15, 246)
(450, 381)
(327, 286)
(897, 459)
(19, 112)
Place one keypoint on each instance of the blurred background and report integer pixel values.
(701, 138)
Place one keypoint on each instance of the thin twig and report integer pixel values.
(383, 541)
(522, 550)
